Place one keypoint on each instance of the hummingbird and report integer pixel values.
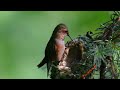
(55, 46)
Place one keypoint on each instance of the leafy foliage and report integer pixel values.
(101, 50)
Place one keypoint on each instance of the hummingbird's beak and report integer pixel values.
(69, 36)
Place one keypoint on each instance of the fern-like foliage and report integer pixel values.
(93, 54)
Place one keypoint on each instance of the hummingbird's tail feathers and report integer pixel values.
(42, 63)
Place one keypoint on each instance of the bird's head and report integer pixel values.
(61, 31)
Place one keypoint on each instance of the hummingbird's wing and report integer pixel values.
(50, 54)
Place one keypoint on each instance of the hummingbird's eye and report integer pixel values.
(64, 31)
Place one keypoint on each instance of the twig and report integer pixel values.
(88, 72)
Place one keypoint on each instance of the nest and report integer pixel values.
(74, 64)
(91, 53)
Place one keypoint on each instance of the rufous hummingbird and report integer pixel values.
(55, 46)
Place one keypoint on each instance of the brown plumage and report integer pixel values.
(55, 47)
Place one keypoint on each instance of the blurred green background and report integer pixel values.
(24, 35)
